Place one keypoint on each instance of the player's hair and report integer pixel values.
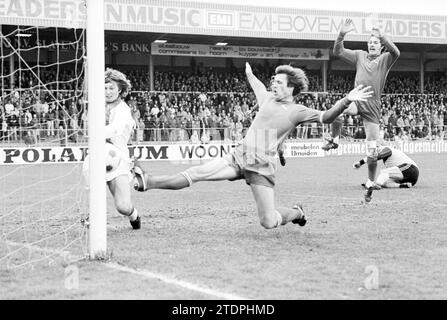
(120, 78)
(296, 78)
(383, 49)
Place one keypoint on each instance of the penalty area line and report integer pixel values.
(173, 281)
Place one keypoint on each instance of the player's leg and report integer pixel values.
(215, 170)
(121, 192)
(390, 177)
(403, 176)
(372, 135)
(269, 216)
(333, 141)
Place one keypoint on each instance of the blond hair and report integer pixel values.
(120, 78)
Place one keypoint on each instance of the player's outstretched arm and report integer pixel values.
(360, 93)
(339, 49)
(387, 43)
(258, 87)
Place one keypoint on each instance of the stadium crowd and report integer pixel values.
(210, 105)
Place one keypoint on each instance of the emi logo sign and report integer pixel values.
(220, 19)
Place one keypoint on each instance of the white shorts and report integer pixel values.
(123, 169)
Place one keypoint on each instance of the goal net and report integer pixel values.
(44, 139)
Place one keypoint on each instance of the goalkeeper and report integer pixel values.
(400, 170)
(118, 130)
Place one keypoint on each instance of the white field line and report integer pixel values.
(177, 282)
(141, 272)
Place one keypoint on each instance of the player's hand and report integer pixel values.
(347, 26)
(375, 31)
(360, 93)
(356, 165)
(248, 68)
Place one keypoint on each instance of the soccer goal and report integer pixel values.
(52, 114)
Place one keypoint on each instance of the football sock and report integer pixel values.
(336, 128)
(134, 215)
(372, 167)
(187, 177)
(405, 185)
(369, 183)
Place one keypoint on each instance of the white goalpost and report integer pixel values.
(96, 116)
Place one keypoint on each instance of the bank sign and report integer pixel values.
(227, 20)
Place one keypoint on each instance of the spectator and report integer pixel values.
(140, 130)
(194, 137)
(84, 122)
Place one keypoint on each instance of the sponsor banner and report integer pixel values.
(291, 23)
(188, 152)
(10, 156)
(303, 149)
(76, 154)
(227, 20)
(47, 13)
(409, 147)
(180, 152)
(128, 47)
(66, 45)
(172, 152)
(182, 49)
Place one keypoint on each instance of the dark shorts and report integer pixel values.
(370, 112)
(410, 173)
(255, 178)
(251, 177)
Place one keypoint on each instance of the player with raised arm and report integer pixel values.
(254, 159)
(118, 130)
(400, 170)
(372, 68)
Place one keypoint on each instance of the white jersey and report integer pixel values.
(120, 127)
(397, 158)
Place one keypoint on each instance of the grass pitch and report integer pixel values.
(205, 242)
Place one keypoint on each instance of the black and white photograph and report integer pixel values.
(212, 153)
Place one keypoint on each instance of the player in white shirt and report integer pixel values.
(400, 170)
(118, 130)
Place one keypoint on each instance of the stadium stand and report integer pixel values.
(218, 102)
